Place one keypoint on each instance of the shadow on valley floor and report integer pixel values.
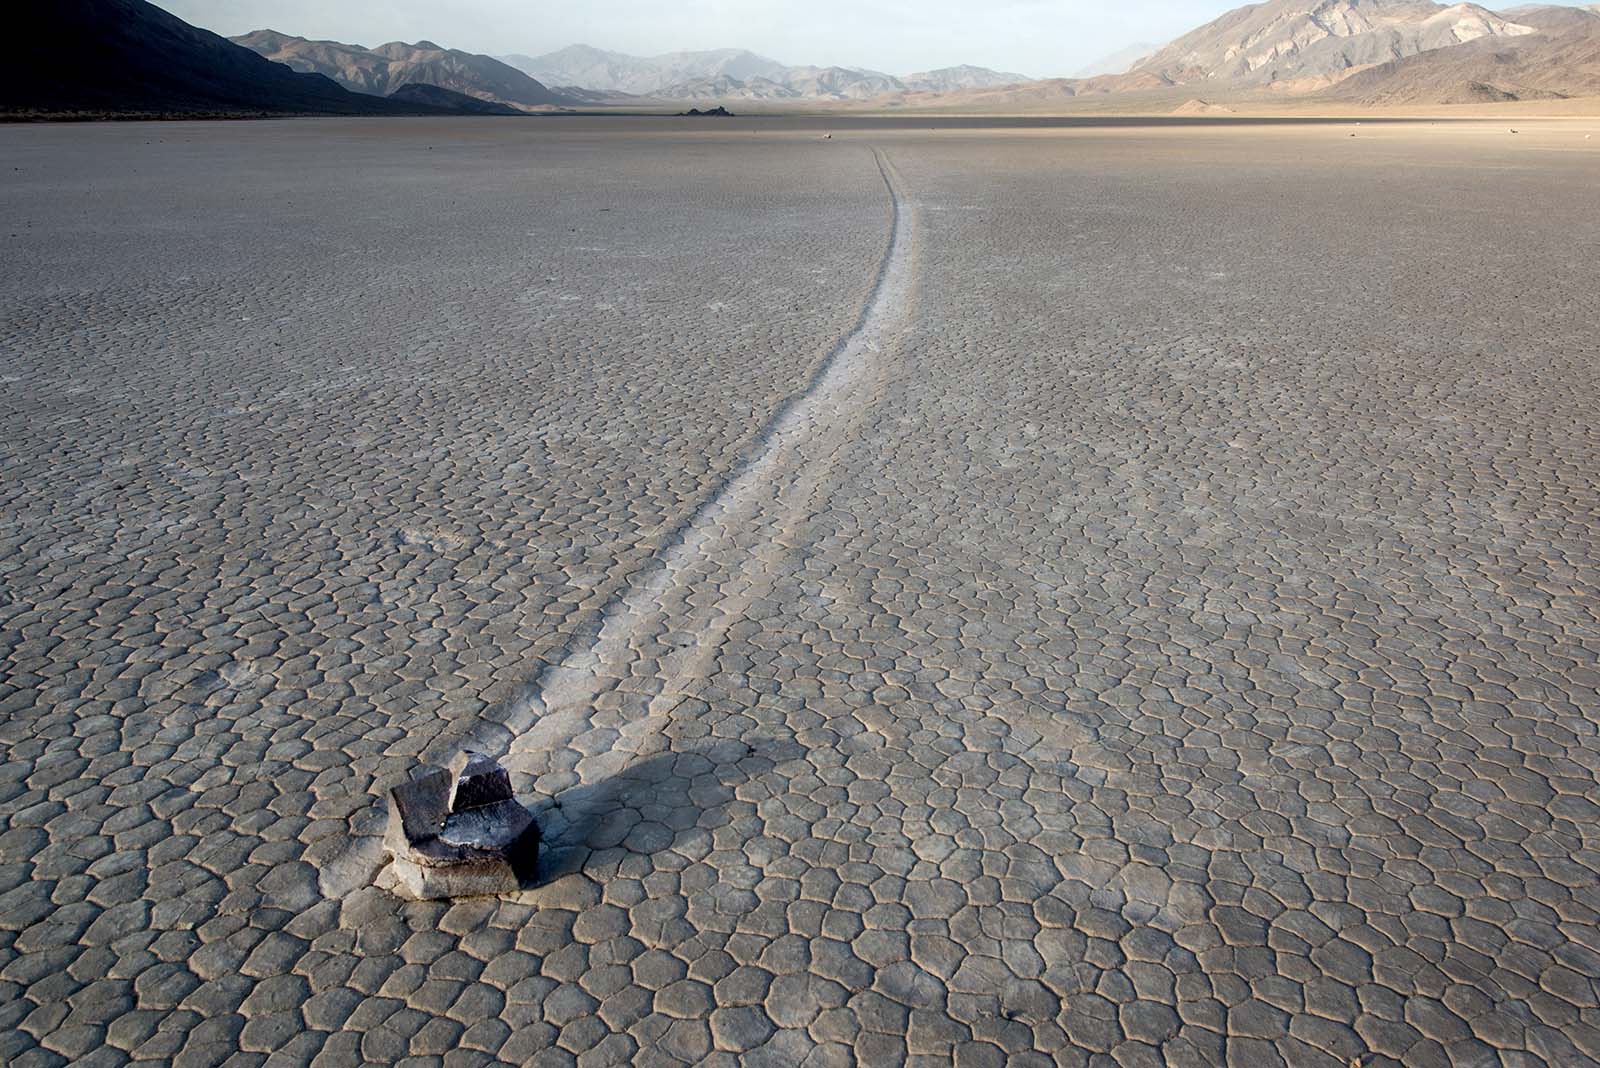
(658, 803)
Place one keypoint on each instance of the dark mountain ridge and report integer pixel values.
(437, 97)
(386, 68)
(129, 56)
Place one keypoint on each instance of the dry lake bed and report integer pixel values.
(982, 592)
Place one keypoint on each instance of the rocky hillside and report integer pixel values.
(1561, 59)
(1304, 44)
(384, 69)
(128, 56)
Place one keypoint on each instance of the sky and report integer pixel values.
(1039, 38)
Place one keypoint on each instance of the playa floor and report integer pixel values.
(982, 591)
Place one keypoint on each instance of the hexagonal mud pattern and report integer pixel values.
(1094, 596)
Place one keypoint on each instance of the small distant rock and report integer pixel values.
(718, 112)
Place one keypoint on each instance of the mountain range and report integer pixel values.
(131, 56)
(128, 56)
(1395, 51)
(101, 57)
(736, 74)
(384, 69)
(1365, 52)
(597, 70)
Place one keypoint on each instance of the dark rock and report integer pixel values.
(418, 808)
(477, 780)
(716, 112)
(460, 832)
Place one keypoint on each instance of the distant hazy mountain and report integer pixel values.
(384, 69)
(949, 79)
(838, 83)
(726, 88)
(736, 74)
(1117, 62)
(1561, 60)
(130, 56)
(1039, 93)
(599, 70)
(1320, 41)
(600, 97)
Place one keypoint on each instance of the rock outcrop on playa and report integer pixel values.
(383, 70)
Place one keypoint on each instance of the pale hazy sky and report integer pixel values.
(1041, 38)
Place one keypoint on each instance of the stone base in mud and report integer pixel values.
(459, 833)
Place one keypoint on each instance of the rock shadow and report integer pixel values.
(652, 804)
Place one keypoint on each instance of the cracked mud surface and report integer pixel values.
(1083, 597)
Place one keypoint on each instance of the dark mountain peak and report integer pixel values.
(129, 56)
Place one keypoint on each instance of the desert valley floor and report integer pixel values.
(968, 592)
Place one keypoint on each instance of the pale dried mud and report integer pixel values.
(980, 594)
